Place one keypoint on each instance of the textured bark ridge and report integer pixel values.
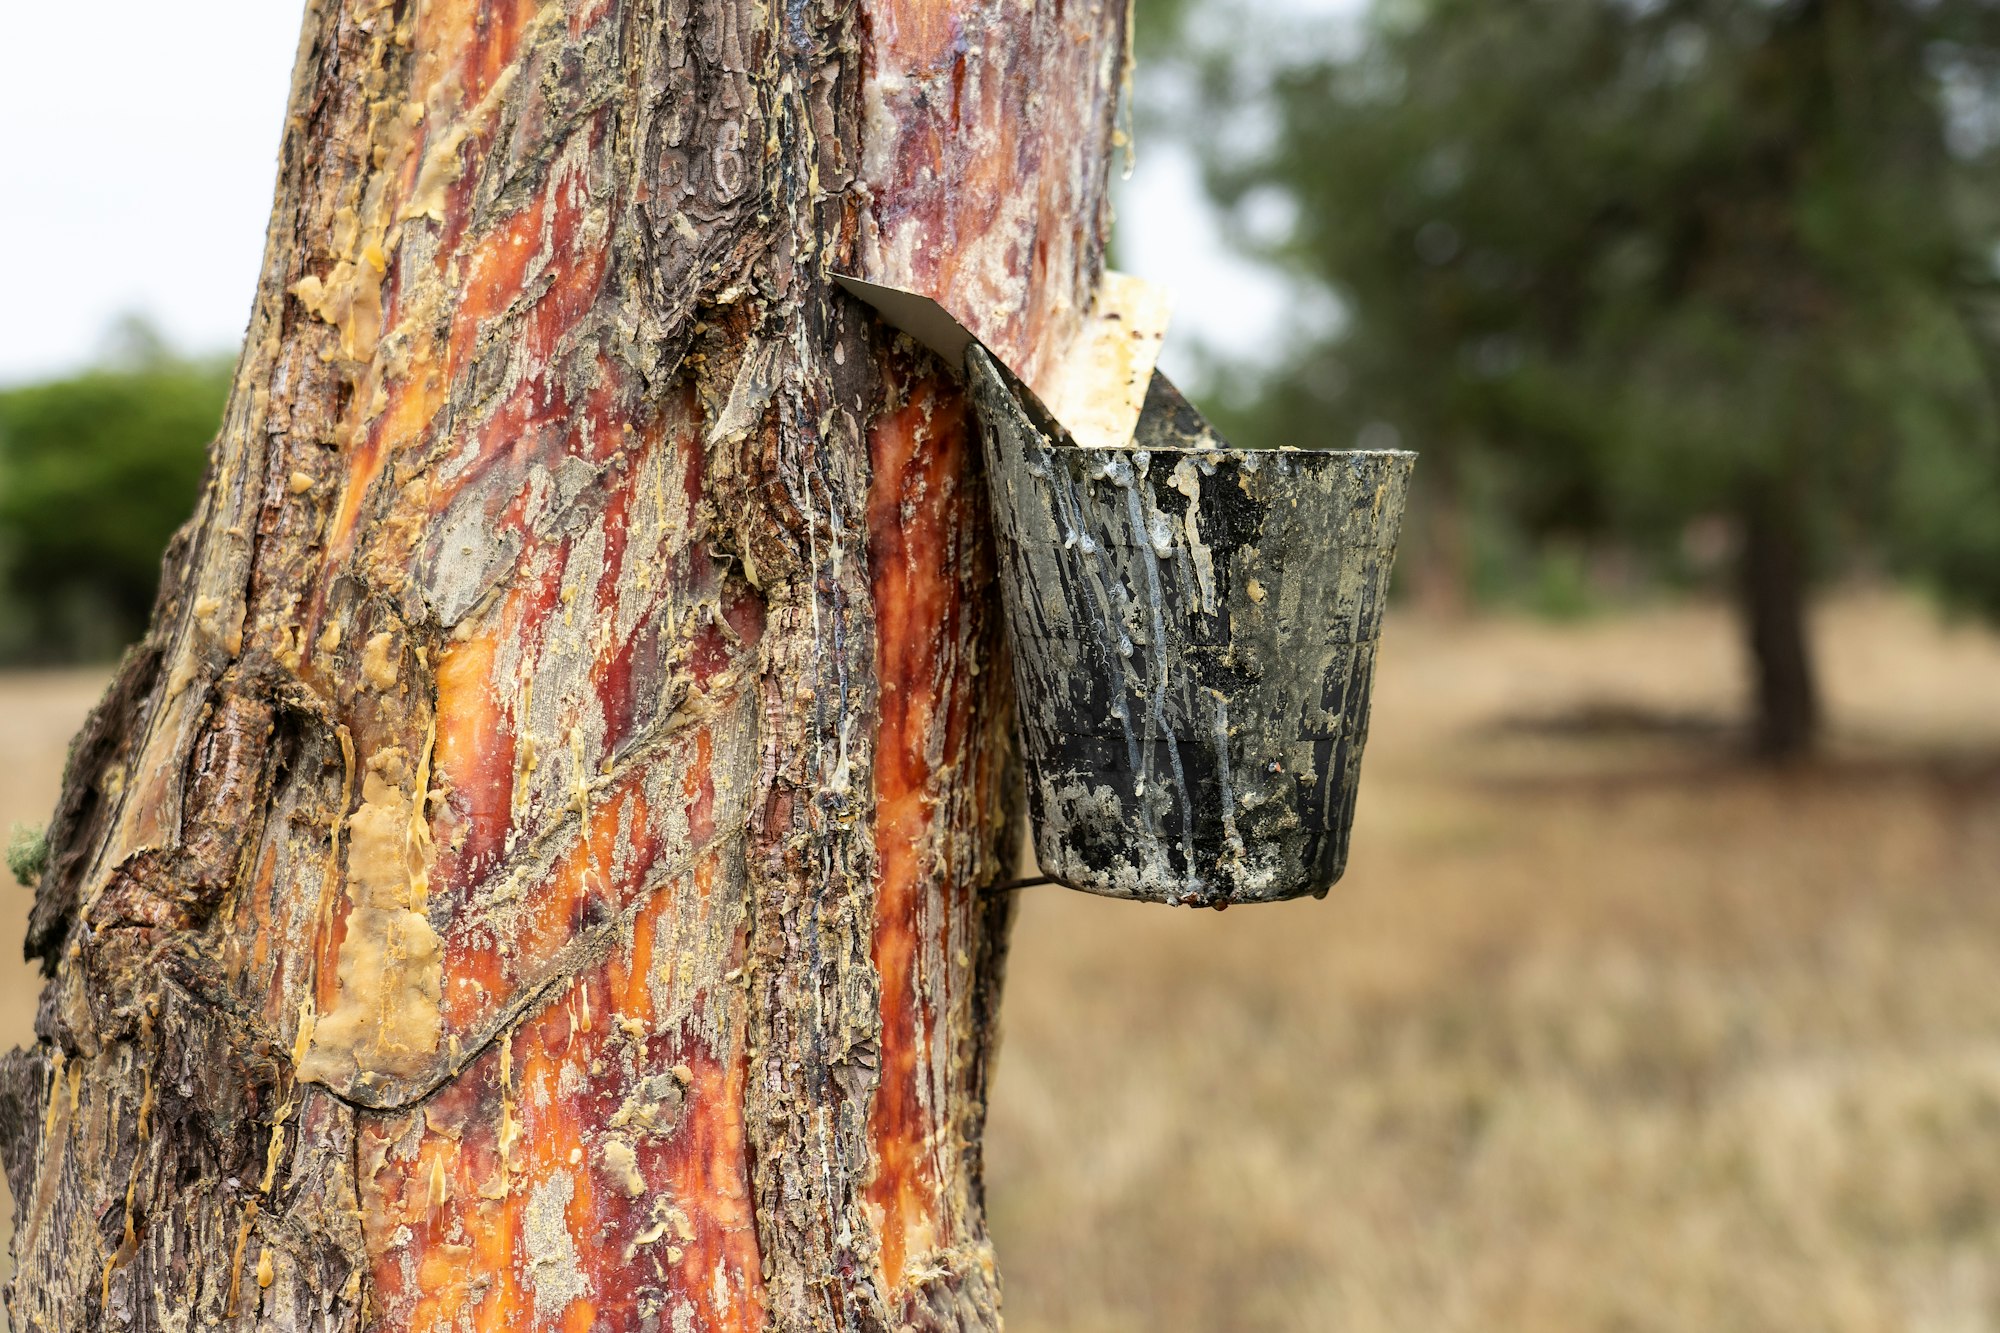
(530, 875)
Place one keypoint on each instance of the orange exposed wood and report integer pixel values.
(579, 1173)
(989, 190)
(925, 625)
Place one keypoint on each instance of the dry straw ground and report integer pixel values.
(1604, 1031)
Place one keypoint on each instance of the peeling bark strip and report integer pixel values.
(529, 876)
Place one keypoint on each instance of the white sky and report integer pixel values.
(138, 147)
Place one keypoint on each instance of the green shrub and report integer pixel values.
(96, 473)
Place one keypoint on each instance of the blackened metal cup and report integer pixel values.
(1193, 630)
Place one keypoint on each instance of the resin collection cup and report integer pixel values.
(1193, 630)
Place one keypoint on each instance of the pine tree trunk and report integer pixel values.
(1773, 586)
(531, 874)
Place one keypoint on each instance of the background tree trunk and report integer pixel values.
(529, 877)
(1773, 583)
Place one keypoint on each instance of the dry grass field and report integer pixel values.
(1604, 1030)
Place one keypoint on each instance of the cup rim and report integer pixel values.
(1233, 451)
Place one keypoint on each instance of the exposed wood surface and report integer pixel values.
(529, 876)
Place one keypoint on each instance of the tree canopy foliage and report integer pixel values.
(1617, 265)
(96, 472)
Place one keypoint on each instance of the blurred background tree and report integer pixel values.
(1628, 272)
(96, 472)
(1690, 290)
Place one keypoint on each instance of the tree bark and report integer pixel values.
(530, 876)
(1774, 579)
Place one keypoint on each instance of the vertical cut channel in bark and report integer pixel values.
(529, 877)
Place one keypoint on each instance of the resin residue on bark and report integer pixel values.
(385, 1015)
(527, 505)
